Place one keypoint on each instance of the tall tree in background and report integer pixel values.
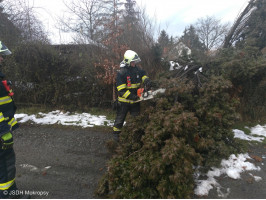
(131, 26)
(23, 16)
(9, 33)
(130, 11)
(111, 34)
(136, 27)
(165, 45)
(113, 30)
(164, 41)
(85, 19)
(191, 39)
(92, 21)
(211, 32)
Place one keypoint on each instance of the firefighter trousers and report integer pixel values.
(122, 110)
(7, 173)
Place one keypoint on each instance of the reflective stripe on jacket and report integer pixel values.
(7, 124)
(7, 185)
(5, 100)
(125, 89)
(7, 111)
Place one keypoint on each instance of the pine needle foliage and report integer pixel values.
(246, 69)
(159, 150)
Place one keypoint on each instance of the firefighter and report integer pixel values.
(128, 81)
(7, 125)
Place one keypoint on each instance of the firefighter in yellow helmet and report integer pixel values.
(7, 125)
(128, 81)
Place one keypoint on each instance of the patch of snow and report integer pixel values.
(236, 165)
(46, 168)
(232, 167)
(57, 117)
(32, 168)
(256, 178)
(258, 130)
(241, 135)
(222, 194)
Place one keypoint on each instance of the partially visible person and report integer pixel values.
(8, 124)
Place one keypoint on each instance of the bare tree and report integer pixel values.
(9, 33)
(147, 26)
(22, 13)
(86, 18)
(211, 32)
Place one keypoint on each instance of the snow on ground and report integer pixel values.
(33, 168)
(257, 133)
(58, 117)
(233, 167)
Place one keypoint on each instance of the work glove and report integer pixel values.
(6, 141)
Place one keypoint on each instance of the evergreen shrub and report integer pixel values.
(42, 75)
(246, 69)
(178, 131)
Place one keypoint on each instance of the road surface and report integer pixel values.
(61, 162)
(65, 162)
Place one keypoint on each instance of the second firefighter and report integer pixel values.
(128, 81)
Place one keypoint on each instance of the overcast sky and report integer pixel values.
(172, 15)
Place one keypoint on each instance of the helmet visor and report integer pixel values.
(4, 50)
(136, 59)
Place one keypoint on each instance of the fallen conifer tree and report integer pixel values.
(186, 127)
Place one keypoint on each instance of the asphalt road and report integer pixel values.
(60, 162)
(66, 163)
(246, 187)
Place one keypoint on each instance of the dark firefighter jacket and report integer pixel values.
(7, 111)
(7, 156)
(128, 81)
